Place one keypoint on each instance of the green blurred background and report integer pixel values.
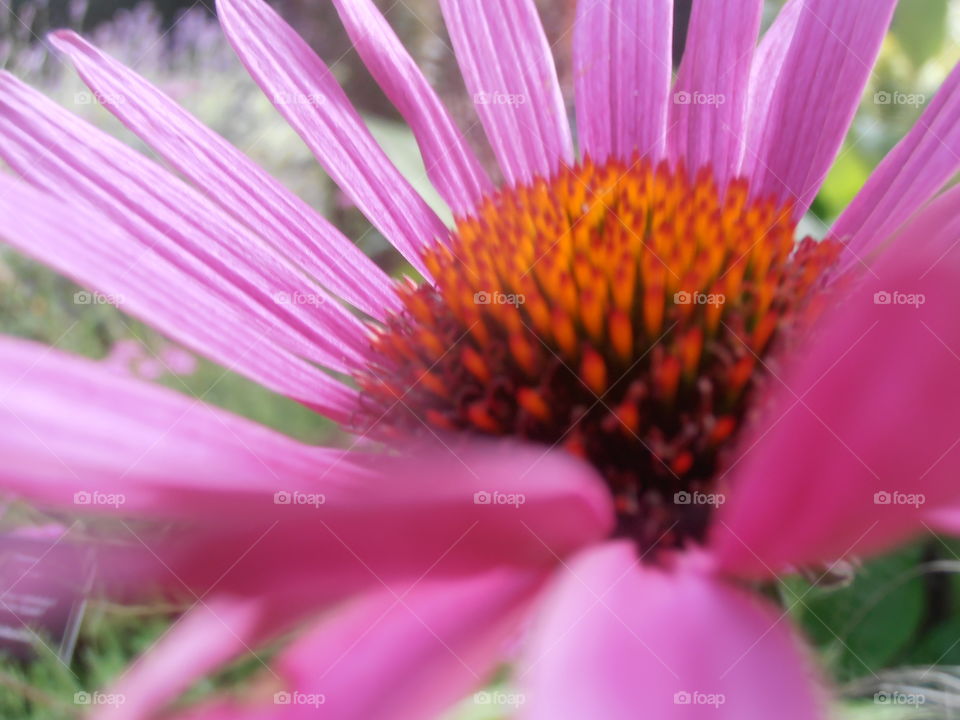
(874, 625)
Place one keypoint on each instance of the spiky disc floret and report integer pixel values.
(624, 313)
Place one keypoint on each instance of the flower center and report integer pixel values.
(628, 315)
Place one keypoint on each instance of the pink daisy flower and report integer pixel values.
(622, 395)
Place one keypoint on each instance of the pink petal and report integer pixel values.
(945, 520)
(936, 226)
(73, 426)
(361, 536)
(422, 651)
(910, 175)
(178, 361)
(509, 70)
(861, 440)
(208, 636)
(155, 289)
(78, 438)
(766, 75)
(710, 95)
(232, 180)
(805, 86)
(308, 96)
(84, 166)
(622, 70)
(452, 166)
(618, 639)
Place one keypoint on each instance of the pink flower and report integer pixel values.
(135, 358)
(620, 393)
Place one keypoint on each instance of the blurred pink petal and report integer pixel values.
(828, 472)
(253, 495)
(207, 636)
(178, 361)
(73, 427)
(618, 639)
(423, 651)
(123, 355)
(361, 535)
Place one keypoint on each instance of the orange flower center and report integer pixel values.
(626, 314)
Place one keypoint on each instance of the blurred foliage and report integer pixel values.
(45, 688)
(898, 611)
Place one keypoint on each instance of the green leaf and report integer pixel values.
(940, 645)
(862, 627)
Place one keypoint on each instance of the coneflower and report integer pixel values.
(623, 392)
